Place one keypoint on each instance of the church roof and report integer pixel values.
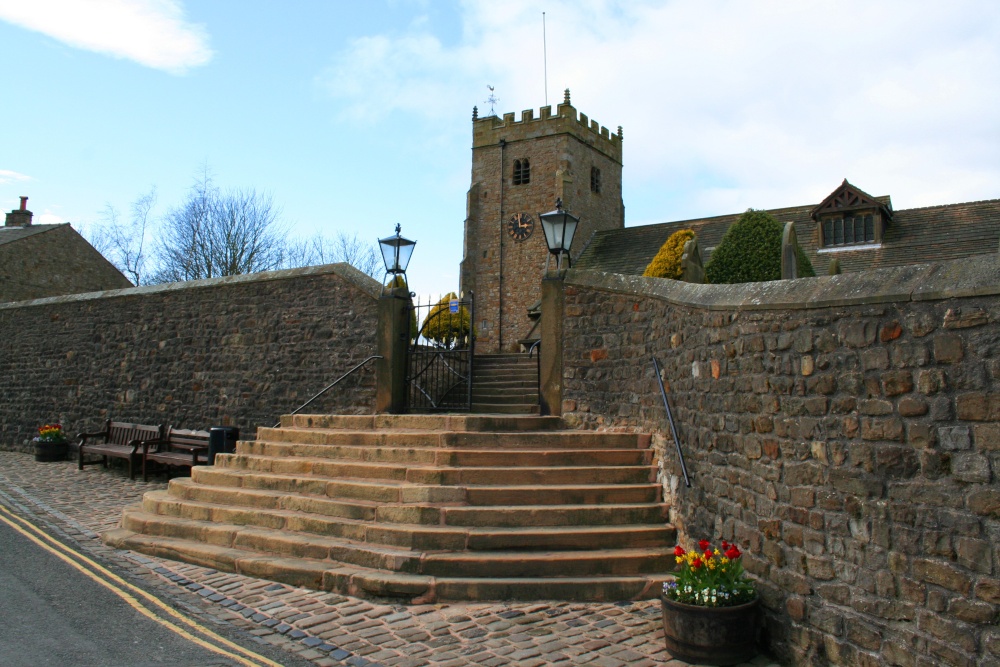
(912, 236)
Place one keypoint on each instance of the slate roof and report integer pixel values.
(914, 236)
(11, 234)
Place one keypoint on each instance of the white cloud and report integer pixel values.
(150, 32)
(48, 218)
(725, 103)
(7, 177)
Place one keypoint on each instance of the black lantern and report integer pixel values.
(559, 227)
(396, 252)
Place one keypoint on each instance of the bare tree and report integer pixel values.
(320, 249)
(125, 243)
(216, 233)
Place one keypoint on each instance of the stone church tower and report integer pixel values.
(519, 169)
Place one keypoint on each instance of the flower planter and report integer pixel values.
(51, 451)
(710, 635)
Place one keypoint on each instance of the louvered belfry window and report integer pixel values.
(849, 230)
(522, 172)
(595, 180)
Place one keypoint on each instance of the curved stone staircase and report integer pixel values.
(422, 507)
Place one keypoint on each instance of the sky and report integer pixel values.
(356, 116)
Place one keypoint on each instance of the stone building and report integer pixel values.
(519, 169)
(38, 261)
(858, 230)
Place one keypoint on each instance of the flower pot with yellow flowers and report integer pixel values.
(50, 443)
(711, 609)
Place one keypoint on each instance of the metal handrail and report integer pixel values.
(330, 386)
(538, 366)
(673, 428)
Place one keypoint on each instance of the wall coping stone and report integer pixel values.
(968, 277)
(362, 281)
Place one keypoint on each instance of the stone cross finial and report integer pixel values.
(692, 269)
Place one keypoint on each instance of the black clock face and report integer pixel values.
(520, 226)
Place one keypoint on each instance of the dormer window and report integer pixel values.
(522, 172)
(850, 217)
(849, 230)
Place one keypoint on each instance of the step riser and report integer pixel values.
(542, 496)
(462, 440)
(531, 476)
(396, 493)
(346, 580)
(469, 423)
(439, 457)
(247, 503)
(297, 546)
(437, 475)
(455, 539)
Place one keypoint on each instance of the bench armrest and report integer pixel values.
(146, 444)
(139, 442)
(83, 437)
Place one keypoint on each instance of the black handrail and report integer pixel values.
(673, 428)
(538, 366)
(330, 386)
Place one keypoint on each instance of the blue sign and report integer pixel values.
(453, 305)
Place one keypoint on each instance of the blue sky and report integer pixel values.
(356, 115)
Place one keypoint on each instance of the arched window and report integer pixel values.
(522, 172)
(595, 180)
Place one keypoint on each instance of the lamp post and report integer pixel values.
(396, 252)
(559, 227)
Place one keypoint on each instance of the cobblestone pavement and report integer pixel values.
(330, 629)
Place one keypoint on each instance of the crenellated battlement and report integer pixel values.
(488, 131)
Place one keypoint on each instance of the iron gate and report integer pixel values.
(440, 357)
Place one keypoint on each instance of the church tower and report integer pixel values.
(519, 169)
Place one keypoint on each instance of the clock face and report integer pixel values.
(520, 226)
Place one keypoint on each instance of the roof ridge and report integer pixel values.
(961, 203)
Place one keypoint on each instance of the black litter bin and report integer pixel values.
(221, 440)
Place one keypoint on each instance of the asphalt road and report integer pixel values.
(52, 614)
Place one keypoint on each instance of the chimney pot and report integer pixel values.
(24, 203)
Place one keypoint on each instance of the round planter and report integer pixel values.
(51, 451)
(710, 635)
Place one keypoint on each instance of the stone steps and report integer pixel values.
(505, 383)
(451, 456)
(422, 507)
(370, 582)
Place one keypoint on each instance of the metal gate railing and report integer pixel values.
(440, 357)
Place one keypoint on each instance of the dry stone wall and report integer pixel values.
(235, 351)
(844, 430)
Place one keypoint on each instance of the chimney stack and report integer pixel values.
(20, 217)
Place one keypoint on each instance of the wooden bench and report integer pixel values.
(119, 440)
(180, 447)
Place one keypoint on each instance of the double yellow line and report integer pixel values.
(130, 594)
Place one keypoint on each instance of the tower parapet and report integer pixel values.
(490, 130)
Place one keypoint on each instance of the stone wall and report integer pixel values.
(227, 351)
(843, 430)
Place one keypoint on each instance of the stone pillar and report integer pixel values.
(551, 371)
(393, 340)
(789, 261)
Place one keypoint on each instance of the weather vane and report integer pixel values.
(492, 100)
